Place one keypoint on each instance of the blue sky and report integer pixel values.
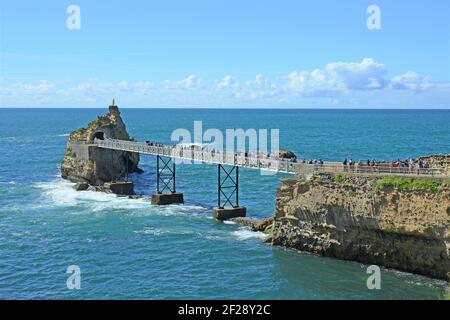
(225, 53)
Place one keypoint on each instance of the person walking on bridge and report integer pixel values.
(359, 166)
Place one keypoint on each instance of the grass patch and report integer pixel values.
(407, 184)
(108, 125)
(339, 178)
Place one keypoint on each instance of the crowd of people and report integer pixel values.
(315, 161)
(410, 165)
(349, 165)
(213, 151)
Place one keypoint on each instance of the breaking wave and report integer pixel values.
(61, 193)
(246, 234)
(7, 182)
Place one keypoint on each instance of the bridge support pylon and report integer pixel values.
(165, 183)
(228, 194)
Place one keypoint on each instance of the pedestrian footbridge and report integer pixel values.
(228, 169)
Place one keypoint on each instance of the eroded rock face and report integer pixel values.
(263, 225)
(85, 163)
(351, 220)
(438, 161)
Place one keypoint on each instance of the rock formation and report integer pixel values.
(438, 161)
(394, 222)
(285, 154)
(264, 225)
(86, 164)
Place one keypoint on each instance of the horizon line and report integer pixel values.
(241, 108)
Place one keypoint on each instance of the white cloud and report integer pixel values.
(310, 83)
(190, 82)
(338, 77)
(365, 75)
(411, 81)
(122, 87)
(227, 82)
(253, 89)
(336, 84)
(42, 87)
(261, 87)
(226, 87)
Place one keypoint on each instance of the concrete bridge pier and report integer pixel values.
(227, 191)
(165, 183)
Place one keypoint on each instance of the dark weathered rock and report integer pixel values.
(81, 186)
(254, 224)
(96, 188)
(138, 170)
(136, 196)
(86, 163)
(286, 154)
(407, 230)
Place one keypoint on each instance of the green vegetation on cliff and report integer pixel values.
(402, 183)
(108, 125)
(339, 178)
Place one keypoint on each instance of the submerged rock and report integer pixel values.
(81, 186)
(85, 163)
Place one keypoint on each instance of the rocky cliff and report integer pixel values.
(394, 222)
(438, 161)
(86, 164)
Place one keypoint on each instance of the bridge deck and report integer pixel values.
(254, 162)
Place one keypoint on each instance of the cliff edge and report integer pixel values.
(399, 223)
(86, 164)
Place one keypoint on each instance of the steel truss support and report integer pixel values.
(228, 186)
(165, 175)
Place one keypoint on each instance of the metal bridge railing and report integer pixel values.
(380, 169)
(254, 162)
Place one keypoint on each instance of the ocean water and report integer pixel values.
(128, 249)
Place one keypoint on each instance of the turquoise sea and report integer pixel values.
(127, 249)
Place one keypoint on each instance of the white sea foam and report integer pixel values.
(158, 232)
(63, 135)
(245, 234)
(8, 139)
(7, 182)
(229, 222)
(61, 193)
(151, 231)
(180, 210)
(212, 237)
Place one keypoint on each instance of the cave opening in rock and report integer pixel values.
(99, 136)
